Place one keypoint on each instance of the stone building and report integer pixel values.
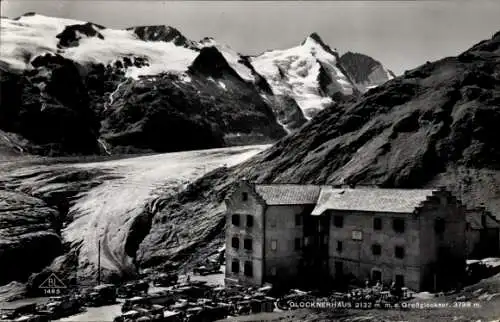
(284, 234)
(482, 234)
(264, 231)
(412, 237)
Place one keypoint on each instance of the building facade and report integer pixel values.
(414, 238)
(321, 234)
(264, 234)
(482, 234)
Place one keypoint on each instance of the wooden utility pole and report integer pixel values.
(99, 263)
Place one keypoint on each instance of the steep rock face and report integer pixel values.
(200, 111)
(49, 106)
(28, 239)
(71, 35)
(35, 203)
(434, 126)
(211, 62)
(365, 71)
(163, 33)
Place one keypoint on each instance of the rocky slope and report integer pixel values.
(365, 71)
(74, 87)
(28, 238)
(33, 214)
(437, 125)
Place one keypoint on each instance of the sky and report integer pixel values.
(400, 34)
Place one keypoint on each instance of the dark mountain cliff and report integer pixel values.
(163, 33)
(50, 107)
(365, 71)
(70, 36)
(200, 113)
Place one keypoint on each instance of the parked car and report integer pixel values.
(63, 306)
(102, 295)
(165, 279)
(210, 267)
(133, 289)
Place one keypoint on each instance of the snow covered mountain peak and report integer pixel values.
(207, 41)
(315, 41)
(309, 73)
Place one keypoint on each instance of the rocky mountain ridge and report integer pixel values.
(61, 70)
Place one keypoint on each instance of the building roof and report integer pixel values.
(473, 218)
(371, 199)
(288, 194)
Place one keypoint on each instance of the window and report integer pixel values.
(376, 249)
(249, 221)
(298, 220)
(376, 275)
(439, 226)
(399, 252)
(274, 244)
(235, 220)
(248, 269)
(247, 244)
(244, 196)
(398, 225)
(399, 280)
(235, 266)
(339, 246)
(377, 223)
(273, 271)
(325, 239)
(298, 244)
(338, 221)
(235, 242)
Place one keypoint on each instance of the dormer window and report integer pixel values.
(244, 196)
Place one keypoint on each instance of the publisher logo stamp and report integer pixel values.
(52, 285)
